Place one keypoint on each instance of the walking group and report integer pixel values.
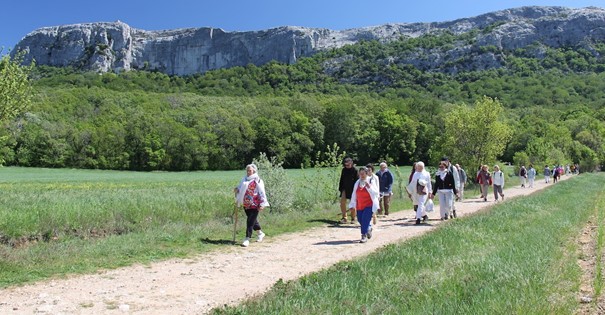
(365, 194)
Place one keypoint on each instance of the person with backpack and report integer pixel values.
(523, 175)
(547, 174)
(445, 186)
(531, 176)
(485, 180)
(498, 182)
(250, 194)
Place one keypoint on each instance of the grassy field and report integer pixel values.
(56, 221)
(519, 257)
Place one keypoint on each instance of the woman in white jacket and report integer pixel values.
(420, 188)
(250, 194)
(498, 182)
(365, 201)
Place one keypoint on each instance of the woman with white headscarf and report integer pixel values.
(420, 188)
(251, 195)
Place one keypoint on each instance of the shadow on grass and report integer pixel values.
(217, 242)
(334, 243)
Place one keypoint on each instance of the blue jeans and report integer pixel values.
(364, 217)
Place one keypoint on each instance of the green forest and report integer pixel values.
(543, 110)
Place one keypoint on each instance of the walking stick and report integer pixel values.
(234, 220)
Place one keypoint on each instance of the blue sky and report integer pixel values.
(22, 17)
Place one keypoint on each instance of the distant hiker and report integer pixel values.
(421, 189)
(348, 176)
(454, 171)
(498, 182)
(375, 181)
(523, 175)
(547, 174)
(386, 188)
(485, 180)
(251, 195)
(555, 174)
(445, 186)
(364, 200)
(531, 175)
(463, 179)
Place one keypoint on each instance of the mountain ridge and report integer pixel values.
(115, 46)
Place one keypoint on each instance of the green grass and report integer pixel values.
(55, 222)
(515, 258)
(600, 221)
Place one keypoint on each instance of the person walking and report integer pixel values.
(250, 194)
(463, 179)
(531, 176)
(485, 180)
(445, 186)
(555, 174)
(498, 182)
(386, 180)
(364, 200)
(454, 171)
(547, 174)
(374, 180)
(421, 189)
(523, 175)
(348, 177)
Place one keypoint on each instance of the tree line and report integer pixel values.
(541, 111)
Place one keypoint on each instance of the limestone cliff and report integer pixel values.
(117, 46)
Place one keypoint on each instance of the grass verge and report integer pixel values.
(515, 258)
(55, 222)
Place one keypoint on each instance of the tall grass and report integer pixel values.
(515, 258)
(57, 221)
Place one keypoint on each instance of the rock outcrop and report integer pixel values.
(118, 47)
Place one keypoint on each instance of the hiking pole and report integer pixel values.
(234, 220)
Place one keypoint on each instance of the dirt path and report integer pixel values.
(194, 286)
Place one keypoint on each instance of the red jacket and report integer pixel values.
(484, 178)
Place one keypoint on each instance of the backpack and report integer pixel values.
(420, 190)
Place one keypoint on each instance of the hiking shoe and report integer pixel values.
(369, 235)
(417, 221)
(455, 214)
(344, 221)
(261, 235)
(246, 242)
(502, 197)
(364, 239)
(484, 199)
(425, 218)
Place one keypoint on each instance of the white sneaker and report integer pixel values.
(246, 242)
(261, 235)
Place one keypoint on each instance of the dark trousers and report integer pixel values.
(252, 222)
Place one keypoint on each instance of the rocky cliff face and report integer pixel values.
(117, 46)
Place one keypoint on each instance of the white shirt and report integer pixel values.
(498, 178)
